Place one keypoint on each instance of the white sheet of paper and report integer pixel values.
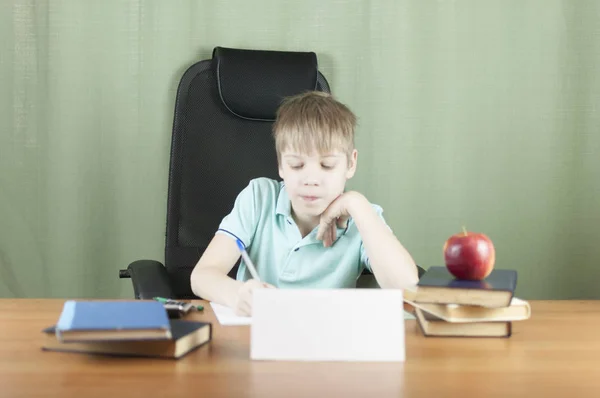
(227, 317)
(328, 325)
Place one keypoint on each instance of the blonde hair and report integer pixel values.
(314, 120)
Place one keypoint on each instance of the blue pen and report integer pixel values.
(247, 260)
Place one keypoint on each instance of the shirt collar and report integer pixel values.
(284, 205)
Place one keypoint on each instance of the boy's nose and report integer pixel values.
(310, 179)
(311, 175)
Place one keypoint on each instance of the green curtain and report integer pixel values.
(476, 113)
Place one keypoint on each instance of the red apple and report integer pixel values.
(469, 255)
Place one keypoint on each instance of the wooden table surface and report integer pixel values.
(556, 353)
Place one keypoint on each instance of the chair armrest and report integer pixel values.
(420, 270)
(367, 279)
(149, 278)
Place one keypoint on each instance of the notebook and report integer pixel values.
(186, 336)
(112, 320)
(439, 286)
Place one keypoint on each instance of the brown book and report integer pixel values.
(186, 336)
(518, 310)
(434, 326)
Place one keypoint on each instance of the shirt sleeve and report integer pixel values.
(242, 221)
(364, 256)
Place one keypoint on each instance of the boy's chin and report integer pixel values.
(311, 211)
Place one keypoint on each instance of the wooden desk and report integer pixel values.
(556, 353)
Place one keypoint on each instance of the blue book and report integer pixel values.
(439, 286)
(112, 320)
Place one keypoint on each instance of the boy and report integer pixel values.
(305, 231)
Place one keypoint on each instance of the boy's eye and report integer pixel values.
(327, 166)
(296, 166)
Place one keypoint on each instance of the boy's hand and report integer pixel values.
(336, 214)
(243, 306)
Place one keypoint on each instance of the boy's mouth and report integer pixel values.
(309, 198)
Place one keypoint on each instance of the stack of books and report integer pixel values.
(127, 328)
(446, 306)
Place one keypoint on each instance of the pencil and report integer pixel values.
(247, 260)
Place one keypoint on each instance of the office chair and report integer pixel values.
(224, 110)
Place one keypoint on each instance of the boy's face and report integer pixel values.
(315, 180)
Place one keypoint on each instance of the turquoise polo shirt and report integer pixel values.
(261, 218)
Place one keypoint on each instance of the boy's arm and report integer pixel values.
(209, 278)
(391, 263)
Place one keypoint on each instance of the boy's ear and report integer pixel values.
(352, 164)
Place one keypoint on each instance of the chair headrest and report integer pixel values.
(252, 83)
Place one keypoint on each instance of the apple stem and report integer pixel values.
(464, 230)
